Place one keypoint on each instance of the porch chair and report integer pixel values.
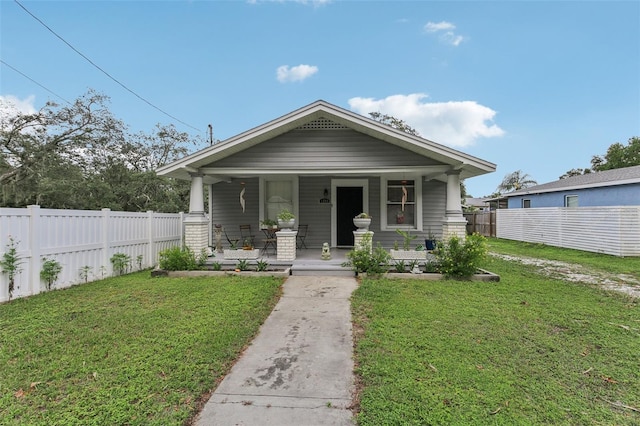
(302, 235)
(246, 234)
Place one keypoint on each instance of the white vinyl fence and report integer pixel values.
(610, 230)
(81, 239)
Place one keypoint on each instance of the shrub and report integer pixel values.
(460, 258)
(262, 265)
(121, 262)
(178, 259)
(51, 268)
(365, 259)
(10, 264)
(242, 265)
(407, 238)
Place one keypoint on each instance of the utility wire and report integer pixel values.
(102, 70)
(32, 80)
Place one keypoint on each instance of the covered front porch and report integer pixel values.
(326, 165)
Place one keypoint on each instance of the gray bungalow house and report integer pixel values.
(616, 187)
(326, 164)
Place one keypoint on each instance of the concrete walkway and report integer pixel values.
(299, 369)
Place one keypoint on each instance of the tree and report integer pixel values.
(618, 156)
(515, 181)
(394, 122)
(575, 172)
(80, 157)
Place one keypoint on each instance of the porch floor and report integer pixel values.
(308, 262)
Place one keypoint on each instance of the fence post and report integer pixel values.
(106, 241)
(181, 229)
(151, 246)
(33, 274)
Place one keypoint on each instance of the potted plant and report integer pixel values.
(430, 241)
(406, 252)
(286, 220)
(362, 221)
(246, 245)
(268, 223)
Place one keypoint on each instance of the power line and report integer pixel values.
(102, 70)
(32, 80)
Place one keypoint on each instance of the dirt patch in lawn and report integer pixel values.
(578, 273)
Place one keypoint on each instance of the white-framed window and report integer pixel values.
(276, 194)
(571, 201)
(401, 203)
(526, 203)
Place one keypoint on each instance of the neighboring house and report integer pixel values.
(327, 164)
(616, 187)
(472, 203)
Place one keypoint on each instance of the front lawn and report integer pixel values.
(526, 350)
(127, 350)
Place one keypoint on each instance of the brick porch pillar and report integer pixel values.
(286, 246)
(196, 224)
(358, 236)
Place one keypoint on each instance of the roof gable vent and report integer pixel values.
(322, 124)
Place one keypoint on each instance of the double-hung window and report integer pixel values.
(401, 203)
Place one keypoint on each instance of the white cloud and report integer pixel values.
(457, 124)
(12, 105)
(445, 31)
(301, 72)
(434, 27)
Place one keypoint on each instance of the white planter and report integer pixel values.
(362, 223)
(408, 255)
(241, 254)
(286, 225)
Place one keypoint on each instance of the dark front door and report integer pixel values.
(349, 204)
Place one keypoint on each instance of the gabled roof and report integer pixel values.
(611, 177)
(469, 165)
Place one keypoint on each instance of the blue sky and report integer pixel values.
(537, 86)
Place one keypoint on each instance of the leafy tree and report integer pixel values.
(515, 181)
(394, 122)
(618, 156)
(80, 157)
(575, 172)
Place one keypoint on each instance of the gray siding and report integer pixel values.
(228, 212)
(312, 212)
(324, 150)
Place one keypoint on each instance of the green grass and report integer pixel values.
(528, 350)
(604, 262)
(128, 350)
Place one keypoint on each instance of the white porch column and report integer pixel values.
(196, 224)
(196, 195)
(454, 223)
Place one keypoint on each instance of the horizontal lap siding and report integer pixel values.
(313, 213)
(324, 150)
(227, 211)
(610, 230)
